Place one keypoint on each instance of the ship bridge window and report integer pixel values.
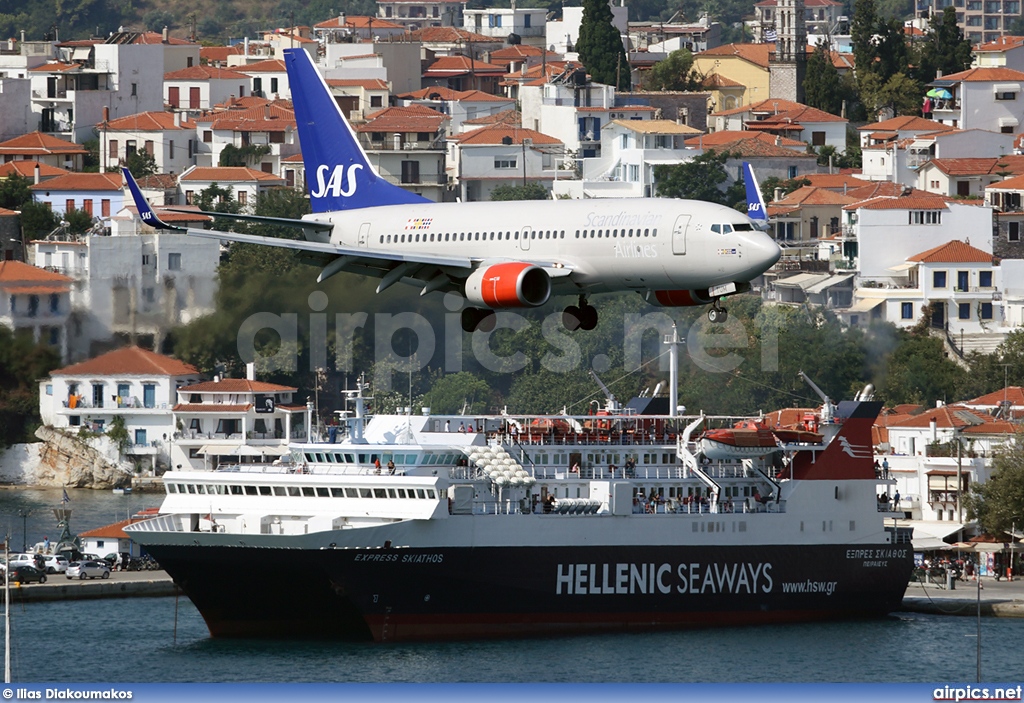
(338, 492)
(362, 458)
(309, 457)
(265, 490)
(430, 494)
(420, 493)
(250, 490)
(391, 493)
(235, 490)
(280, 491)
(401, 493)
(294, 491)
(172, 488)
(350, 458)
(201, 489)
(191, 488)
(319, 457)
(308, 491)
(365, 493)
(351, 493)
(380, 493)
(323, 492)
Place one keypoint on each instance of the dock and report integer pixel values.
(121, 584)
(1001, 599)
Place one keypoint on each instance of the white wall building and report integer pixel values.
(486, 158)
(132, 383)
(167, 137)
(245, 184)
(201, 87)
(37, 300)
(499, 22)
(561, 36)
(983, 98)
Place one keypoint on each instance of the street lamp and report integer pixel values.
(23, 513)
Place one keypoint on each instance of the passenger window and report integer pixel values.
(235, 490)
(391, 493)
(430, 493)
(401, 493)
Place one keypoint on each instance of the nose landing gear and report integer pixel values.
(582, 316)
(716, 313)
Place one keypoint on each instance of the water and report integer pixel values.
(137, 642)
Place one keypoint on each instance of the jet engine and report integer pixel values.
(679, 298)
(509, 285)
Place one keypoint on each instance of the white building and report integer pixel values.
(201, 87)
(561, 36)
(132, 383)
(787, 119)
(37, 300)
(407, 147)
(139, 282)
(245, 184)
(461, 106)
(268, 126)
(1005, 52)
(983, 98)
(355, 28)
(269, 79)
(416, 14)
(234, 419)
(968, 177)
(483, 159)
(906, 160)
(500, 22)
(167, 137)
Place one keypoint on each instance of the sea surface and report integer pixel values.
(142, 640)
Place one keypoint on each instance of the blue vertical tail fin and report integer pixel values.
(338, 173)
(756, 209)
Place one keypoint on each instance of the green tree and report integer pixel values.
(530, 191)
(768, 186)
(945, 48)
(22, 361)
(891, 52)
(702, 178)
(600, 46)
(998, 504)
(15, 192)
(37, 220)
(899, 93)
(91, 161)
(244, 260)
(79, 221)
(247, 155)
(918, 371)
(451, 393)
(822, 85)
(118, 435)
(141, 163)
(862, 35)
(674, 72)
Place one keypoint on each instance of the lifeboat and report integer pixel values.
(747, 438)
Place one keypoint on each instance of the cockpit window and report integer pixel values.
(717, 229)
(726, 229)
(743, 227)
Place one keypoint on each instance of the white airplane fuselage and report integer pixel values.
(607, 244)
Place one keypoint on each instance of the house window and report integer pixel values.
(938, 279)
(112, 149)
(410, 172)
(170, 149)
(54, 303)
(149, 395)
(924, 217)
(986, 311)
(818, 138)
(792, 171)
(376, 101)
(140, 438)
(149, 147)
(273, 85)
(907, 311)
(257, 86)
(526, 21)
(130, 147)
(243, 197)
(207, 136)
(1013, 232)
(1006, 96)
(69, 205)
(964, 311)
(984, 279)
(634, 173)
(135, 90)
(189, 197)
(174, 262)
(505, 163)
(105, 207)
(87, 206)
(145, 259)
(173, 96)
(33, 305)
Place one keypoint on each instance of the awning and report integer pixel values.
(928, 532)
(831, 281)
(900, 268)
(801, 280)
(866, 304)
(1006, 88)
(1008, 122)
(927, 543)
(81, 53)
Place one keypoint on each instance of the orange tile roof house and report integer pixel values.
(201, 87)
(99, 194)
(37, 300)
(44, 148)
(267, 123)
(499, 154)
(232, 419)
(135, 384)
(170, 138)
(246, 184)
(987, 98)
(406, 145)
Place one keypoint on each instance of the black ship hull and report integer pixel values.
(480, 592)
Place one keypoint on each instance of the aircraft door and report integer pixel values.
(679, 234)
(364, 234)
(524, 238)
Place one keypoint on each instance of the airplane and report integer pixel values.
(498, 254)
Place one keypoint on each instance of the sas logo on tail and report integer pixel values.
(334, 184)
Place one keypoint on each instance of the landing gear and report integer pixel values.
(582, 316)
(717, 313)
(481, 319)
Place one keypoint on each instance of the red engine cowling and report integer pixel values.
(679, 298)
(511, 285)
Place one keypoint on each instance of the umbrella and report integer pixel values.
(962, 546)
(941, 93)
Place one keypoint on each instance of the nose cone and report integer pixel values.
(760, 252)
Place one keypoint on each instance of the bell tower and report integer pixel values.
(787, 64)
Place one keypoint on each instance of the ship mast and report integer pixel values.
(7, 610)
(673, 342)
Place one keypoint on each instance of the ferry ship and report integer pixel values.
(406, 528)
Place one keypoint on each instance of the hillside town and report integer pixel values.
(454, 104)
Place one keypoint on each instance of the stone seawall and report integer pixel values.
(65, 459)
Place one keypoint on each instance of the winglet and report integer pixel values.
(145, 211)
(756, 209)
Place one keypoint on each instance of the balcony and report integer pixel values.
(849, 231)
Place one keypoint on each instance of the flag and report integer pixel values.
(66, 499)
(771, 36)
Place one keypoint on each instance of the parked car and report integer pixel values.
(27, 574)
(56, 564)
(29, 559)
(88, 569)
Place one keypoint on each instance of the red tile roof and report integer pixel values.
(835, 180)
(129, 361)
(357, 22)
(204, 73)
(810, 195)
(114, 531)
(156, 181)
(18, 273)
(873, 190)
(754, 53)
(148, 122)
(520, 51)
(412, 118)
(225, 174)
(236, 385)
(985, 75)
(38, 143)
(158, 38)
(717, 80)
(27, 168)
(365, 83)
(507, 117)
(1014, 183)
(456, 65)
(268, 66)
(56, 67)
(1014, 394)
(1003, 43)
(905, 123)
(915, 200)
(980, 166)
(218, 54)
(82, 181)
(954, 252)
(732, 136)
(946, 417)
(496, 133)
(446, 35)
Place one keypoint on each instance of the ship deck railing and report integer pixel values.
(587, 438)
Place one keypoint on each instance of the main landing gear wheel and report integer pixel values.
(481, 319)
(582, 316)
(717, 314)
